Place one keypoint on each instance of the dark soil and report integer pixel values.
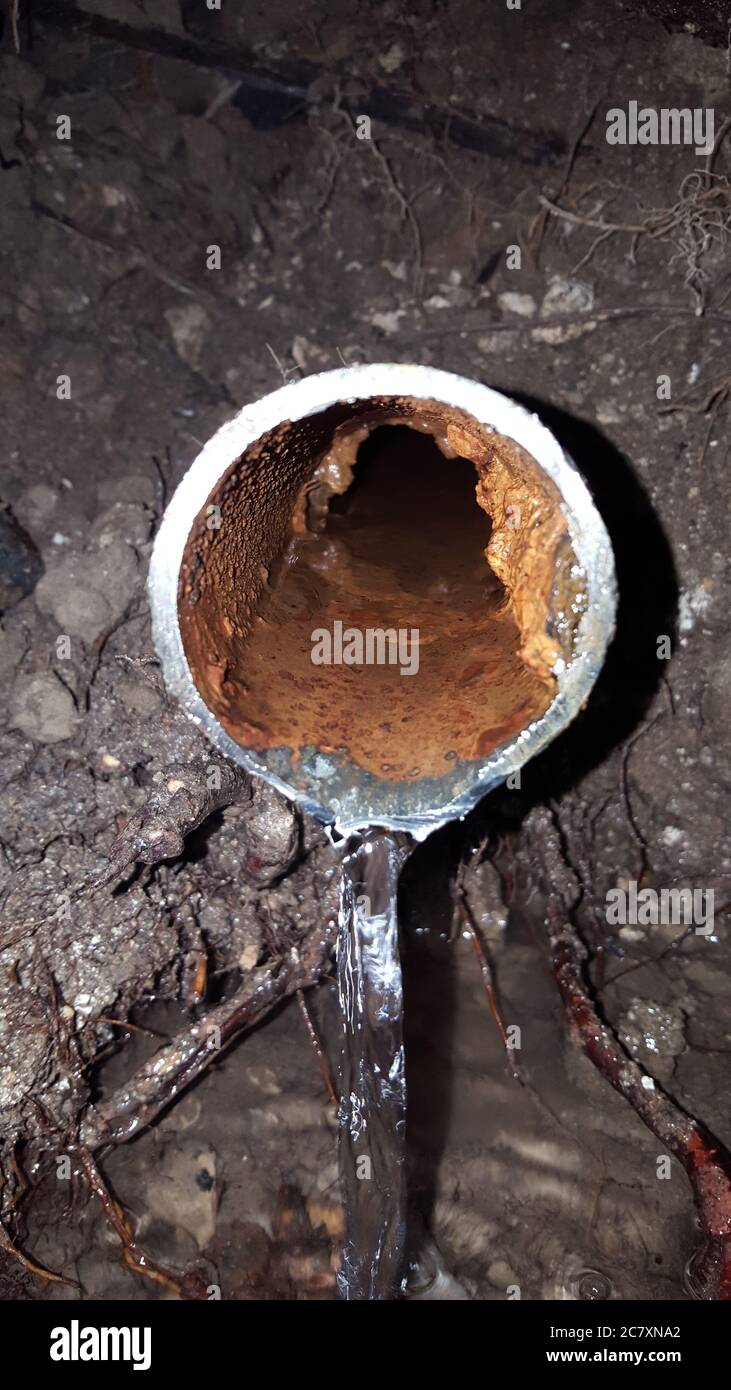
(145, 884)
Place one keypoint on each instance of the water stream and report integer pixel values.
(372, 1079)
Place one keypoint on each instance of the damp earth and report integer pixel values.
(146, 887)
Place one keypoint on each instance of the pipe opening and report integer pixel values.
(387, 581)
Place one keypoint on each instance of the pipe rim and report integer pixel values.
(368, 804)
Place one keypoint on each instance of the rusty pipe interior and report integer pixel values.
(384, 516)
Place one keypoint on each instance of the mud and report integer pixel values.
(105, 281)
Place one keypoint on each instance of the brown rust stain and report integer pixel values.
(466, 544)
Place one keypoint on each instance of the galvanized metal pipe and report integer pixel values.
(231, 515)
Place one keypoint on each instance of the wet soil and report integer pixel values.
(332, 247)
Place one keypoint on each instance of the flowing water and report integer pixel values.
(372, 1079)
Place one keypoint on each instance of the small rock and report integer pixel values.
(607, 413)
(567, 297)
(43, 709)
(138, 695)
(88, 592)
(694, 603)
(124, 520)
(513, 303)
(392, 59)
(270, 837)
(265, 1079)
(388, 322)
(500, 343)
(557, 333)
(249, 956)
(79, 612)
(501, 1275)
(189, 325)
(36, 506)
(654, 1034)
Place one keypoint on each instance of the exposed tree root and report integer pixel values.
(190, 1285)
(470, 924)
(537, 228)
(698, 223)
(162, 1079)
(185, 797)
(11, 1249)
(709, 403)
(319, 1050)
(705, 1160)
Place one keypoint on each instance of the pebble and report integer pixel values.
(513, 303)
(392, 59)
(388, 322)
(264, 1078)
(123, 519)
(500, 343)
(189, 325)
(567, 297)
(87, 593)
(43, 709)
(36, 506)
(501, 1275)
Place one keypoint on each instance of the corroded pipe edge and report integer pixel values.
(494, 411)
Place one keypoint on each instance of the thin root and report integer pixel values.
(705, 1160)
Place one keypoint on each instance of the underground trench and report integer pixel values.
(368, 592)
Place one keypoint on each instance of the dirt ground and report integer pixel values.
(191, 128)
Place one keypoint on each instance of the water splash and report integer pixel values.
(372, 1078)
